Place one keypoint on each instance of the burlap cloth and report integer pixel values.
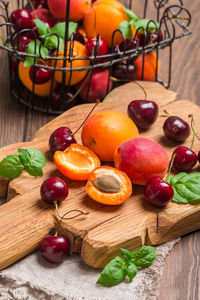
(34, 279)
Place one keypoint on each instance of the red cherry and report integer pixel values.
(158, 192)
(126, 45)
(122, 70)
(60, 139)
(40, 75)
(22, 42)
(40, 4)
(54, 248)
(92, 44)
(21, 18)
(184, 158)
(56, 98)
(53, 189)
(176, 129)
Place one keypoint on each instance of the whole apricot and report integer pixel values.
(104, 131)
(79, 50)
(78, 8)
(141, 159)
(149, 66)
(42, 89)
(103, 18)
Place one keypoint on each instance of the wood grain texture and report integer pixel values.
(181, 275)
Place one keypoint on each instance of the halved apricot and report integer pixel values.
(109, 186)
(76, 162)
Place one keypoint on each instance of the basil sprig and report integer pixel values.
(117, 269)
(50, 42)
(31, 160)
(138, 24)
(186, 188)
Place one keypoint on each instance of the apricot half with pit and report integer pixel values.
(141, 159)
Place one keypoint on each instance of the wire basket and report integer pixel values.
(174, 22)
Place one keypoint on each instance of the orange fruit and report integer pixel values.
(104, 131)
(79, 50)
(39, 89)
(149, 66)
(103, 18)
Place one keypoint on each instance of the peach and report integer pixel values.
(104, 131)
(141, 159)
(98, 86)
(78, 8)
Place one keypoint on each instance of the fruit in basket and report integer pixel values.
(104, 131)
(143, 112)
(42, 89)
(184, 158)
(21, 42)
(124, 70)
(53, 189)
(40, 4)
(109, 186)
(153, 36)
(76, 162)
(158, 192)
(21, 18)
(40, 75)
(104, 17)
(43, 15)
(79, 50)
(98, 86)
(62, 98)
(176, 129)
(97, 45)
(60, 139)
(149, 66)
(126, 45)
(80, 36)
(141, 159)
(54, 248)
(78, 8)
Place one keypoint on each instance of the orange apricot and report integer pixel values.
(42, 89)
(79, 50)
(76, 162)
(103, 18)
(104, 131)
(109, 186)
(149, 66)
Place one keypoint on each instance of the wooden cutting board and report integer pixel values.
(97, 237)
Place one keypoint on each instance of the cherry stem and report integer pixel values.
(97, 102)
(56, 233)
(127, 80)
(1, 38)
(33, 8)
(73, 210)
(193, 126)
(145, 93)
(168, 113)
(170, 166)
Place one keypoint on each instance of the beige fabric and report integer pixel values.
(34, 279)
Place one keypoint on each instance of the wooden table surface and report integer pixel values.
(182, 268)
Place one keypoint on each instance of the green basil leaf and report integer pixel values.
(24, 156)
(178, 178)
(178, 199)
(33, 48)
(52, 42)
(126, 254)
(184, 192)
(144, 23)
(37, 157)
(11, 166)
(113, 273)
(59, 29)
(42, 27)
(131, 270)
(34, 169)
(144, 257)
(130, 14)
(125, 28)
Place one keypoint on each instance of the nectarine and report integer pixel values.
(141, 159)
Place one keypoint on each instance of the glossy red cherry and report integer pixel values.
(126, 45)
(40, 75)
(176, 129)
(54, 248)
(79, 37)
(40, 4)
(158, 192)
(60, 139)
(143, 112)
(21, 18)
(44, 16)
(123, 70)
(53, 189)
(22, 42)
(184, 158)
(102, 47)
(57, 101)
